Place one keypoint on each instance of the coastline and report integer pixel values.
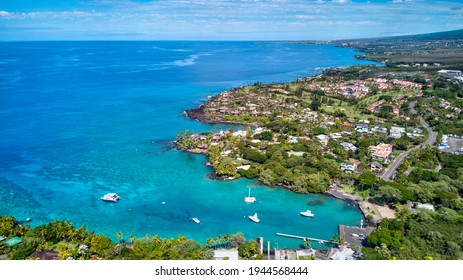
(370, 211)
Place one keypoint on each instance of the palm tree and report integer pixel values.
(131, 238)
(119, 236)
(307, 243)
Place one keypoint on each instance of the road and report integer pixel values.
(432, 135)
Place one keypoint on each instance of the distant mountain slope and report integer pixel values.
(445, 35)
(434, 48)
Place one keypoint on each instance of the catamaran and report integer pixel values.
(249, 198)
(307, 213)
(254, 218)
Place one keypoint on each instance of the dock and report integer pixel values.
(302, 237)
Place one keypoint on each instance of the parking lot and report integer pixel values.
(455, 145)
(356, 235)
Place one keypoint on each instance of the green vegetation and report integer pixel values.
(418, 236)
(76, 243)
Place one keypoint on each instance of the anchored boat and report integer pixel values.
(249, 198)
(307, 213)
(110, 197)
(254, 218)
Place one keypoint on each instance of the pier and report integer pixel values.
(302, 237)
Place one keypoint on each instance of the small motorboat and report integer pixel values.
(196, 220)
(307, 213)
(110, 197)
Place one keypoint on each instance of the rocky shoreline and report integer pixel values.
(198, 114)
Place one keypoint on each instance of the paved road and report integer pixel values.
(432, 135)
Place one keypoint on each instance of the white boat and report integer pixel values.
(196, 220)
(254, 218)
(307, 213)
(249, 198)
(110, 197)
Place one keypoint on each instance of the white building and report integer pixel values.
(335, 136)
(323, 139)
(449, 73)
(396, 132)
(349, 146)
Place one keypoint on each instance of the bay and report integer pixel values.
(79, 119)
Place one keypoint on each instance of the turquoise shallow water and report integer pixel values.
(80, 119)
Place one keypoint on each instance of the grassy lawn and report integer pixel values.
(350, 112)
(370, 99)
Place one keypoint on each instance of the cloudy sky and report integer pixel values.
(224, 19)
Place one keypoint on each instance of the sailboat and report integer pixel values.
(249, 198)
(254, 218)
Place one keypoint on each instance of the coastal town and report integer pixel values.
(386, 139)
(329, 134)
(375, 142)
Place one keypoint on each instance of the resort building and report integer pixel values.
(381, 152)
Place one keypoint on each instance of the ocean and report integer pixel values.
(80, 119)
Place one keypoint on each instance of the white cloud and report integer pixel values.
(4, 14)
(181, 18)
(49, 15)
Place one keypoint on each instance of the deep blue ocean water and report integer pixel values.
(81, 119)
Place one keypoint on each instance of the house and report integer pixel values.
(292, 139)
(335, 135)
(349, 147)
(379, 129)
(396, 132)
(203, 146)
(349, 167)
(449, 73)
(259, 130)
(394, 135)
(363, 128)
(240, 133)
(323, 139)
(398, 129)
(375, 166)
(425, 206)
(381, 152)
(415, 130)
(354, 161)
(347, 124)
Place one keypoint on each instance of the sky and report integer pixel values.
(224, 19)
